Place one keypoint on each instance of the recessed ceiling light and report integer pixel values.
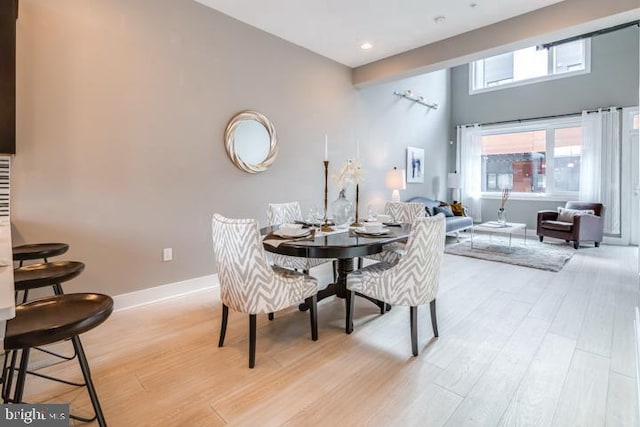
(439, 19)
(366, 46)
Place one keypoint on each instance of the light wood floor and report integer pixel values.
(517, 347)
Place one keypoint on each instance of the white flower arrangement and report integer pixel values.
(350, 173)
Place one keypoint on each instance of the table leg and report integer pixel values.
(381, 304)
(339, 289)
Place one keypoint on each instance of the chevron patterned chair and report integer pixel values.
(248, 284)
(413, 281)
(283, 213)
(402, 212)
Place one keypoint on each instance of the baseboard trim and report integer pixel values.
(163, 292)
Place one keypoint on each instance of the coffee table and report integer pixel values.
(495, 227)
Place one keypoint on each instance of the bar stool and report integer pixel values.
(49, 320)
(40, 275)
(42, 251)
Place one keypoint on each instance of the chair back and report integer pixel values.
(404, 212)
(598, 208)
(244, 274)
(414, 279)
(282, 213)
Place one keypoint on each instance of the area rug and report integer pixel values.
(544, 256)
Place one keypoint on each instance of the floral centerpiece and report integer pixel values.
(350, 173)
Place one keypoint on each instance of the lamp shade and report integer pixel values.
(453, 180)
(395, 179)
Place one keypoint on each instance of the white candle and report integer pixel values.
(326, 147)
(357, 149)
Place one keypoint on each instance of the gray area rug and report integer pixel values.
(544, 256)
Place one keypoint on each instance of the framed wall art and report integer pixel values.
(415, 165)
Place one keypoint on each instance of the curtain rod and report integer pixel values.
(586, 35)
(557, 116)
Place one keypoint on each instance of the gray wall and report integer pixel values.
(390, 123)
(613, 81)
(122, 107)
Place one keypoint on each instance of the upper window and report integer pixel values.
(529, 65)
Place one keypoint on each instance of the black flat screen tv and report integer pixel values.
(8, 16)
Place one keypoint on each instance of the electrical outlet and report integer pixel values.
(167, 254)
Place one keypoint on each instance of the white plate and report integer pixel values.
(292, 232)
(363, 231)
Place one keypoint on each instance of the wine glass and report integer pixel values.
(372, 213)
(315, 215)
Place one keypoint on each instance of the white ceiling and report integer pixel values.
(337, 28)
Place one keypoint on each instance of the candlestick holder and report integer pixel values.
(325, 225)
(357, 222)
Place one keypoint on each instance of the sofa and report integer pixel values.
(584, 223)
(454, 224)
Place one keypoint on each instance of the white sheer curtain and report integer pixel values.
(600, 164)
(470, 149)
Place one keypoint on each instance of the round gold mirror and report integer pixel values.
(251, 141)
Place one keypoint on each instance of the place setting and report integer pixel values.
(387, 220)
(289, 233)
(371, 229)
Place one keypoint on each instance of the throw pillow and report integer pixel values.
(446, 210)
(457, 209)
(566, 215)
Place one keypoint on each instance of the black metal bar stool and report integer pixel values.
(44, 274)
(40, 275)
(42, 251)
(49, 320)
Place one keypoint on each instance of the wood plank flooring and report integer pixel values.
(517, 347)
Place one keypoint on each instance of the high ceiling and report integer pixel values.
(337, 28)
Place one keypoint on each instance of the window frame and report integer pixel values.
(550, 69)
(549, 126)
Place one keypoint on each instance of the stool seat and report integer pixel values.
(38, 251)
(48, 320)
(52, 319)
(45, 274)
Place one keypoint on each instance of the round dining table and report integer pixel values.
(343, 246)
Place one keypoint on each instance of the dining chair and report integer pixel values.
(412, 281)
(248, 284)
(283, 213)
(400, 212)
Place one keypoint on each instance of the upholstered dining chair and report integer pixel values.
(413, 281)
(283, 213)
(248, 284)
(402, 212)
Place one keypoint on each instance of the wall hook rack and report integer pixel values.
(407, 94)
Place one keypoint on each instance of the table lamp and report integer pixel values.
(453, 182)
(395, 182)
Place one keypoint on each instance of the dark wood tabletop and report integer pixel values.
(342, 246)
(348, 244)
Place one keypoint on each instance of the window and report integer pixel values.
(529, 65)
(541, 158)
